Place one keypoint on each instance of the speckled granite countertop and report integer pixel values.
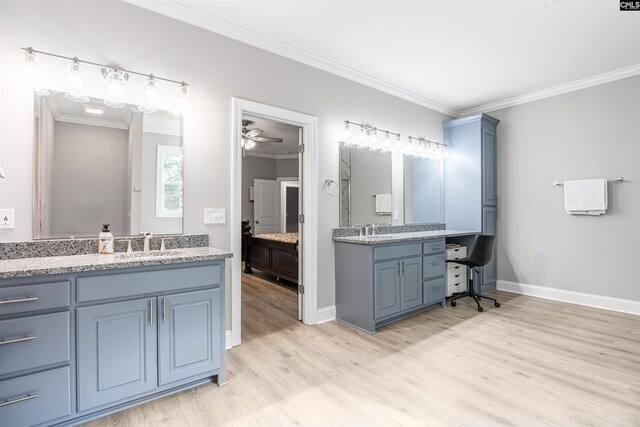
(279, 237)
(29, 267)
(381, 239)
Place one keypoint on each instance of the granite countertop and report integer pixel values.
(381, 239)
(29, 267)
(279, 237)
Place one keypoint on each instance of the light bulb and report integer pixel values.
(374, 142)
(361, 134)
(151, 96)
(249, 144)
(346, 133)
(446, 152)
(31, 71)
(76, 85)
(182, 99)
(115, 91)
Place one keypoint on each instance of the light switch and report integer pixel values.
(7, 218)
(215, 216)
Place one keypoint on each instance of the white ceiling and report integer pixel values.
(454, 56)
(288, 148)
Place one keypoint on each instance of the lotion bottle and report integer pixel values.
(105, 240)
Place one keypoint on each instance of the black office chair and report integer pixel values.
(480, 256)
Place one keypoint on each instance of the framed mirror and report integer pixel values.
(365, 187)
(97, 165)
(423, 191)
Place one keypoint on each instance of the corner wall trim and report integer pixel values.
(326, 314)
(572, 297)
(228, 339)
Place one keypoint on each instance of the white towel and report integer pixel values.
(585, 197)
(383, 204)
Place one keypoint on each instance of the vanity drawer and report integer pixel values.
(21, 299)
(108, 286)
(459, 252)
(35, 399)
(433, 266)
(397, 251)
(32, 342)
(433, 290)
(433, 246)
(453, 268)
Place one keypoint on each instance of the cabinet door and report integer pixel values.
(488, 276)
(387, 288)
(411, 283)
(489, 177)
(117, 347)
(189, 334)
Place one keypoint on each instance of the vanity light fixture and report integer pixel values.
(426, 149)
(115, 92)
(369, 137)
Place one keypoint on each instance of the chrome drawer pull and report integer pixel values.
(164, 309)
(15, 340)
(435, 248)
(18, 400)
(435, 288)
(435, 263)
(151, 312)
(26, 299)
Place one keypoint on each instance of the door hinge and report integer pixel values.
(301, 148)
(301, 289)
(301, 218)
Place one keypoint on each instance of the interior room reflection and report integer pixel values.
(97, 165)
(422, 190)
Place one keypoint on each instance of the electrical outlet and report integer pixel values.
(7, 218)
(215, 216)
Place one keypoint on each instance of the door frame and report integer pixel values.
(309, 125)
(283, 201)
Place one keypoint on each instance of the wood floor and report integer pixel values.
(530, 362)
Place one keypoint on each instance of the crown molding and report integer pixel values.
(184, 13)
(596, 80)
(68, 118)
(250, 153)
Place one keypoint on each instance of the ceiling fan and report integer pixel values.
(251, 136)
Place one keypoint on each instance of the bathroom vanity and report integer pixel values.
(384, 278)
(86, 335)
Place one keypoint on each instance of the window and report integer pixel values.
(169, 182)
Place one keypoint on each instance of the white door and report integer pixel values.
(265, 206)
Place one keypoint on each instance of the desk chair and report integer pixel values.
(480, 256)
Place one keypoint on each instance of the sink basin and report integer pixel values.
(152, 254)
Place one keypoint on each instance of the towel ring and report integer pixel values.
(327, 187)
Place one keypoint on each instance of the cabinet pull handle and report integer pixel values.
(399, 271)
(164, 309)
(435, 288)
(26, 299)
(150, 312)
(435, 263)
(457, 275)
(18, 400)
(15, 340)
(435, 248)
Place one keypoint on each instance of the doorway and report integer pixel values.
(280, 218)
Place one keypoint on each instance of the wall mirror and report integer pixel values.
(97, 165)
(422, 190)
(365, 187)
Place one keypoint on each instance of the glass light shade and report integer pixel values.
(76, 82)
(151, 96)
(361, 135)
(346, 133)
(32, 72)
(446, 152)
(115, 91)
(248, 144)
(182, 100)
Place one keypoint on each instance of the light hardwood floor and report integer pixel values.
(530, 362)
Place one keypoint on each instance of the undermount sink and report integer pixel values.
(151, 254)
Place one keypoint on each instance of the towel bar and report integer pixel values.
(614, 180)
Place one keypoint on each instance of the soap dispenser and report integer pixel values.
(105, 240)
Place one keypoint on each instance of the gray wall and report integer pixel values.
(148, 219)
(591, 133)
(287, 168)
(89, 182)
(216, 69)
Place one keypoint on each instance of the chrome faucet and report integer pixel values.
(147, 235)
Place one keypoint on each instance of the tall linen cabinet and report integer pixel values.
(470, 174)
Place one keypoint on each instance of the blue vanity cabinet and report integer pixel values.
(470, 191)
(117, 345)
(188, 325)
(379, 284)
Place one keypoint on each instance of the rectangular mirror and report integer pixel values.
(97, 165)
(365, 187)
(422, 190)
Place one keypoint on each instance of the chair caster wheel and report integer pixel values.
(453, 303)
(480, 309)
(497, 304)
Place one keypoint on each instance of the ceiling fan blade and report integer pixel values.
(266, 139)
(254, 132)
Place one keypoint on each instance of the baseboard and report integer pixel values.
(228, 340)
(572, 297)
(326, 314)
